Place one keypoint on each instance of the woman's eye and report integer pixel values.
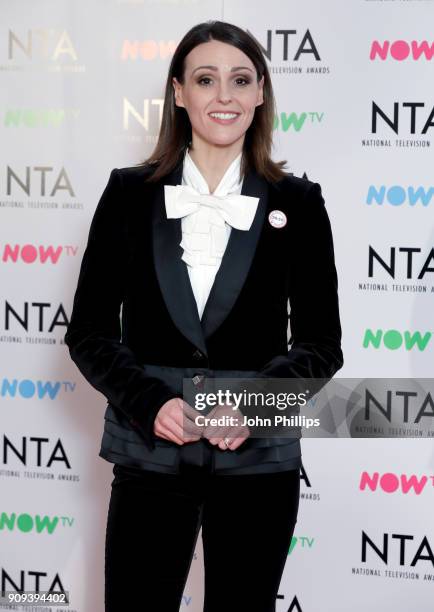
(203, 79)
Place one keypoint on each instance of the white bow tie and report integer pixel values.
(237, 210)
(204, 221)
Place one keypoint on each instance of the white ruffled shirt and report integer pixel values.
(205, 232)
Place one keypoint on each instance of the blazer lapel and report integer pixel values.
(236, 260)
(172, 271)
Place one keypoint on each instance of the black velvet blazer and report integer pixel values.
(132, 265)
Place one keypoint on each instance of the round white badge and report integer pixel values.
(277, 218)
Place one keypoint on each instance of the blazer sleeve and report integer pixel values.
(316, 332)
(93, 334)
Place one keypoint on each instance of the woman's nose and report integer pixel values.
(223, 93)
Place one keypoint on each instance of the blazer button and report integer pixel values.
(198, 354)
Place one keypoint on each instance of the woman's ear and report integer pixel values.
(261, 91)
(178, 92)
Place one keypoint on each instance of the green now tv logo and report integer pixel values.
(393, 339)
(26, 522)
(32, 118)
(284, 121)
(300, 541)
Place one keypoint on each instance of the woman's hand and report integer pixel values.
(216, 434)
(175, 422)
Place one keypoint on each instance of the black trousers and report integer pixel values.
(152, 527)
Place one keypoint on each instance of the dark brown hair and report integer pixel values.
(175, 132)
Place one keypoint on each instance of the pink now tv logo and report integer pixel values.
(30, 253)
(401, 50)
(391, 483)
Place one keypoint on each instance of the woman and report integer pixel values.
(203, 245)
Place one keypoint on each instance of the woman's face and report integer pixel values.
(219, 78)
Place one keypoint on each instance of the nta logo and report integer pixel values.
(400, 547)
(409, 116)
(409, 254)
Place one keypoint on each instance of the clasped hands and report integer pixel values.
(175, 421)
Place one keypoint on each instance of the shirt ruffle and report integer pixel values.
(205, 231)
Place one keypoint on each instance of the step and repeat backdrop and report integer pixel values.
(82, 93)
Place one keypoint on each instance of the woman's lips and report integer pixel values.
(223, 121)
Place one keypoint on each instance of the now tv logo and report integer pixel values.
(285, 121)
(390, 482)
(29, 253)
(397, 195)
(147, 49)
(34, 389)
(393, 339)
(26, 522)
(401, 50)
